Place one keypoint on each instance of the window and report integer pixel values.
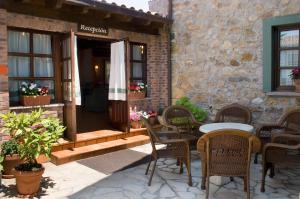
(30, 59)
(286, 56)
(138, 63)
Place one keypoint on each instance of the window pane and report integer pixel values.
(137, 51)
(47, 83)
(14, 91)
(42, 44)
(18, 66)
(289, 38)
(67, 90)
(137, 70)
(67, 69)
(18, 42)
(288, 58)
(43, 67)
(66, 48)
(285, 79)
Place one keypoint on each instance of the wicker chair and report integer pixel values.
(289, 122)
(175, 148)
(234, 113)
(179, 118)
(284, 149)
(227, 153)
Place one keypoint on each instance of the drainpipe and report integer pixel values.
(170, 14)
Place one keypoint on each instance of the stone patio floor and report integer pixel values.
(74, 180)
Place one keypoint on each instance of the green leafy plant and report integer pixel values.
(34, 133)
(199, 114)
(10, 147)
(1, 161)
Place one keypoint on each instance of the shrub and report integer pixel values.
(34, 133)
(10, 147)
(199, 114)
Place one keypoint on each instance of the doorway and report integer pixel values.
(94, 66)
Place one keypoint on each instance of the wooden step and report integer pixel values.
(64, 156)
(95, 137)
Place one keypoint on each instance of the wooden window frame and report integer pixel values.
(55, 55)
(276, 59)
(143, 62)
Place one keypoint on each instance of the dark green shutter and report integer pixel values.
(268, 24)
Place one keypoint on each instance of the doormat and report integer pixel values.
(116, 161)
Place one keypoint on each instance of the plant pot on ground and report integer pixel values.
(297, 85)
(35, 136)
(9, 151)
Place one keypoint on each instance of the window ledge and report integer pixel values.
(133, 100)
(283, 94)
(30, 107)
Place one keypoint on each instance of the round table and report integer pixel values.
(206, 128)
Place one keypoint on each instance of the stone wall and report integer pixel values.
(159, 6)
(217, 54)
(157, 69)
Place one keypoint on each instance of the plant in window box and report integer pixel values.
(35, 135)
(151, 116)
(32, 95)
(10, 152)
(295, 75)
(137, 90)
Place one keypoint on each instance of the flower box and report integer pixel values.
(297, 85)
(35, 100)
(136, 95)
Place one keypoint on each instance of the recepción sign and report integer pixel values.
(99, 30)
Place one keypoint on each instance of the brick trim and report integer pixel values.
(3, 69)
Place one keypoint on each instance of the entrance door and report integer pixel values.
(68, 84)
(119, 111)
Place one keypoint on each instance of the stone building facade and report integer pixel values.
(217, 54)
(159, 6)
(157, 63)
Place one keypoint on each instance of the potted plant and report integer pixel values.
(32, 95)
(135, 119)
(137, 90)
(10, 152)
(35, 134)
(295, 75)
(199, 114)
(1, 168)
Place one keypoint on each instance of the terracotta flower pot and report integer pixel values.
(9, 163)
(136, 124)
(35, 100)
(297, 85)
(28, 182)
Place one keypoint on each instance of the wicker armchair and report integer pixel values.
(234, 113)
(227, 153)
(179, 118)
(284, 149)
(175, 148)
(289, 122)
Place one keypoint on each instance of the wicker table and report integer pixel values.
(206, 128)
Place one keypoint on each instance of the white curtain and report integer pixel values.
(18, 41)
(117, 81)
(77, 80)
(42, 44)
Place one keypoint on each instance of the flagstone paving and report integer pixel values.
(74, 180)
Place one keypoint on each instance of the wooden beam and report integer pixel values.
(107, 16)
(56, 4)
(74, 14)
(85, 10)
